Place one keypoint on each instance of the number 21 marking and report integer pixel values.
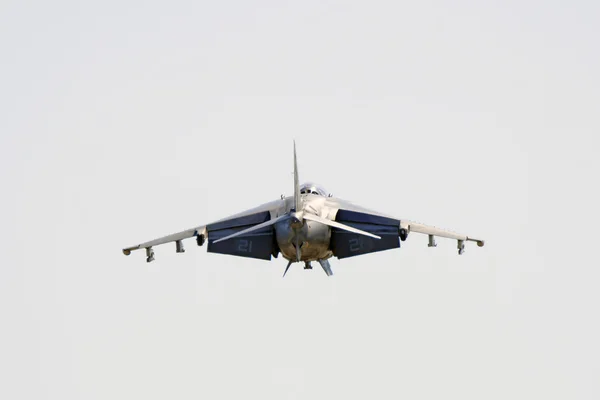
(245, 246)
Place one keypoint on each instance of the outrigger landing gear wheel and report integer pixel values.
(403, 234)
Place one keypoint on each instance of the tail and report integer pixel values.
(297, 198)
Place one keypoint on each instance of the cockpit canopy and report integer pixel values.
(312, 188)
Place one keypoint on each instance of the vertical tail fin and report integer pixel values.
(297, 199)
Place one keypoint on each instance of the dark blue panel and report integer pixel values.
(374, 229)
(257, 246)
(354, 216)
(252, 219)
(214, 235)
(347, 244)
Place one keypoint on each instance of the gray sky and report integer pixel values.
(125, 121)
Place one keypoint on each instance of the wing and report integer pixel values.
(258, 243)
(432, 231)
(386, 226)
(199, 232)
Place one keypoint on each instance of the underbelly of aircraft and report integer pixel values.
(313, 238)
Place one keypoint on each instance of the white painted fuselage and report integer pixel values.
(313, 237)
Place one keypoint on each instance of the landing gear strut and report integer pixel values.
(149, 254)
(461, 247)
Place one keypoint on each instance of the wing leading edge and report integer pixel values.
(407, 226)
(199, 232)
(433, 231)
(234, 222)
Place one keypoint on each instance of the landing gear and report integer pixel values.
(461, 247)
(307, 265)
(431, 241)
(149, 254)
(298, 246)
(403, 234)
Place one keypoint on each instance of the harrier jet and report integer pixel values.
(311, 225)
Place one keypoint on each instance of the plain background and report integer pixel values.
(125, 121)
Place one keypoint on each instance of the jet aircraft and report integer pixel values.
(311, 225)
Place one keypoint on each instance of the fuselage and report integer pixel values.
(313, 237)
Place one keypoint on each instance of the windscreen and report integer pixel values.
(312, 188)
